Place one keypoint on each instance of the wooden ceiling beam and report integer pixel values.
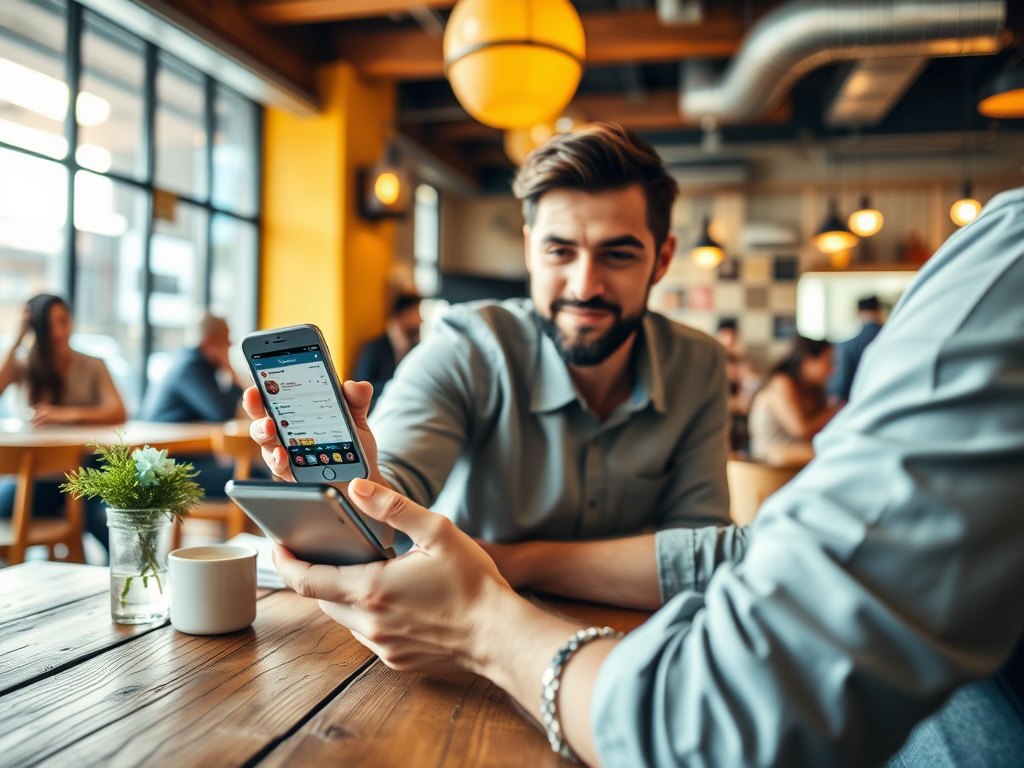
(657, 110)
(281, 13)
(633, 37)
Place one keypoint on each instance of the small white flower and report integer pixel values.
(151, 465)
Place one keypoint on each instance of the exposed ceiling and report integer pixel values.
(632, 72)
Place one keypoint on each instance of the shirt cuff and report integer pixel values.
(675, 549)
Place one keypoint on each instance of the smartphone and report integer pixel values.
(292, 369)
(315, 522)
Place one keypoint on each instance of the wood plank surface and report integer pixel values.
(172, 699)
(388, 718)
(35, 587)
(45, 643)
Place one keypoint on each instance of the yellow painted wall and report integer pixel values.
(321, 262)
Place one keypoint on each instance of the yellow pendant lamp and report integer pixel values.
(706, 252)
(966, 209)
(1003, 97)
(866, 221)
(514, 63)
(520, 142)
(833, 236)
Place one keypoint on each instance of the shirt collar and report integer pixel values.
(553, 387)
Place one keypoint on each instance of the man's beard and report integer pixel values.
(582, 353)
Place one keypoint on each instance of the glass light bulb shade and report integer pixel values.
(865, 222)
(520, 142)
(514, 63)
(839, 259)
(1003, 106)
(964, 211)
(835, 241)
(707, 256)
(387, 188)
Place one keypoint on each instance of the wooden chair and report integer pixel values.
(750, 484)
(233, 441)
(22, 531)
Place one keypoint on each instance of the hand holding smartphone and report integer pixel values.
(300, 391)
(315, 522)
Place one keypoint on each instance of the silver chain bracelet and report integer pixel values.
(550, 681)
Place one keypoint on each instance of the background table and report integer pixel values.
(294, 689)
(176, 438)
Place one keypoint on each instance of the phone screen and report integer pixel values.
(297, 387)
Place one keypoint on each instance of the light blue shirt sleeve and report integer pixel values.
(883, 577)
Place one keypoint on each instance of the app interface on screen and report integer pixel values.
(298, 389)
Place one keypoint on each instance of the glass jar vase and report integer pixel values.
(140, 541)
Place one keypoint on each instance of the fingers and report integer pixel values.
(321, 582)
(253, 404)
(276, 459)
(358, 395)
(383, 504)
(264, 433)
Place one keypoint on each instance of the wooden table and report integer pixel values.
(294, 689)
(176, 438)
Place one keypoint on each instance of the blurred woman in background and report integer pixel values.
(791, 406)
(56, 385)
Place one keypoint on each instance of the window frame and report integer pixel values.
(75, 29)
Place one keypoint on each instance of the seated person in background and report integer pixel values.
(789, 408)
(380, 356)
(56, 385)
(190, 391)
(881, 585)
(577, 415)
(742, 384)
(848, 353)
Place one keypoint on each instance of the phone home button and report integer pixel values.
(329, 474)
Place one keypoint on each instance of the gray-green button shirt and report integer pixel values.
(482, 423)
(884, 576)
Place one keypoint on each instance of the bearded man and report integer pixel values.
(564, 431)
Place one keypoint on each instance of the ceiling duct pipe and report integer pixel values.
(801, 36)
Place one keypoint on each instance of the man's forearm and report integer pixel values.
(617, 571)
(513, 648)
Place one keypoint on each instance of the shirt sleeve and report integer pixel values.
(424, 417)
(687, 557)
(884, 576)
(697, 492)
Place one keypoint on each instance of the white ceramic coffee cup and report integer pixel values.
(213, 589)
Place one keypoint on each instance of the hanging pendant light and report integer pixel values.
(706, 252)
(966, 209)
(384, 187)
(514, 63)
(1003, 96)
(866, 221)
(833, 236)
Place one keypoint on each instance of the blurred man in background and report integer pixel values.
(381, 356)
(849, 352)
(200, 385)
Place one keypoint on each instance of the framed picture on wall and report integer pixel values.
(702, 298)
(785, 268)
(729, 269)
(783, 327)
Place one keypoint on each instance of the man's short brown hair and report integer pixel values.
(597, 158)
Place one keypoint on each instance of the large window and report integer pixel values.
(152, 216)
